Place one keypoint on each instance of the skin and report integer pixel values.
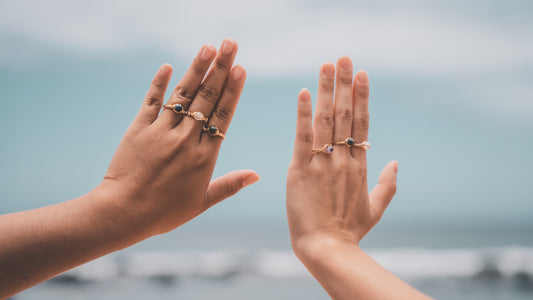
(158, 179)
(328, 205)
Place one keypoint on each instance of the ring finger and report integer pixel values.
(188, 85)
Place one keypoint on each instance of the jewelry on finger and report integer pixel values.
(213, 131)
(177, 108)
(350, 142)
(327, 148)
(198, 116)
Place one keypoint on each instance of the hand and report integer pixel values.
(327, 194)
(162, 168)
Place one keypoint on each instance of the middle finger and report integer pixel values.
(209, 93)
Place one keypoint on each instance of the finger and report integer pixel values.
(361, 116)
(343, 106)
(154, 98)
(211, 88)
(189, 84)
(229, 184)
(221, 117)
(304, 133)
(382, 194)
(323, 122)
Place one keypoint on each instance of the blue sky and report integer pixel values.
(451, 95)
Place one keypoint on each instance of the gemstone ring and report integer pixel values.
(177, 108)
(327, 148)
(350, 142)
(198, 116)
(213, 131)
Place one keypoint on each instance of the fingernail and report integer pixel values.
(237, 73)
(251, 179)
(396, 167)
(164, 69)
(305, 95)
(362, 77)
(329, 70)
(345, 63)
(207, 52)
(227, 47)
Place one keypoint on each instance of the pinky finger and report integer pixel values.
(304, 129)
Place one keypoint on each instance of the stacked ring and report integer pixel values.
(198, 116)
(178, 108)
(213, 131)
(327, 148)
(350, 142)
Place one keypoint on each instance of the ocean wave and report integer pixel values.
(408, 263)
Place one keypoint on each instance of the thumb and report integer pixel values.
(229, 184)
(382, 194)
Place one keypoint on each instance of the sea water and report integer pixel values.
(258, 263)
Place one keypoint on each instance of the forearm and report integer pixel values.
(41, 243)
(346, 272)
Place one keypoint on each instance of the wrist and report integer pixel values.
(317, 247)
(117, 209)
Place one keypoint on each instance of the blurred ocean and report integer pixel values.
(258, 264)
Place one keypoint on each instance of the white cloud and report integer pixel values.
(275, 34)
(288, 37)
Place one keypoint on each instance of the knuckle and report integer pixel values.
(184, 93)
(232, 189)
(305, 113)
(362, 122)
(363, 91)
(159, 84)
(327, 86)
(223, 113)
(306, 138)
(199, 158)
(325, 120)
(346, 113)
(151, 100)
(345, 80)
(209, 94)
(221, 65)
(197, 67)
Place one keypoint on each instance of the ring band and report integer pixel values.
(198, 116)
(213, 131)
(350, 142)
(327, 148)
(178, 108)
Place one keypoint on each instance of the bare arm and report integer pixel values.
(159, 179)
(328, 204)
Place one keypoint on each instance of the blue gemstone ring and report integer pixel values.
(327, 148)
(177, 108)
(213, 131)
(350, 142)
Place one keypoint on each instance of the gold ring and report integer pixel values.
(350, 142)
(213, 131)
(177, 108)
(327, 148)
(198, 116)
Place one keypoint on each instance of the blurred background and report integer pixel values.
(451, 100)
